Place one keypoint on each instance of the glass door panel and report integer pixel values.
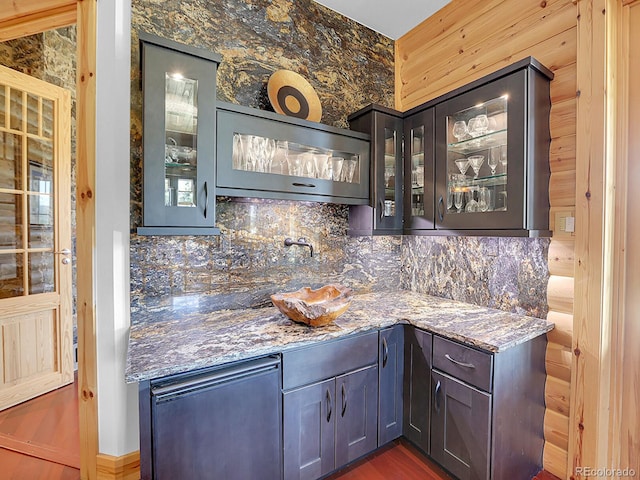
(477, 158)
(390, 172)
(255, 153)
(416, 146)
(181, 153)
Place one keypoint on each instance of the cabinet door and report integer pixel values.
(390, 371)
(263, 154)
(417, 370)
(179, 141)
(460, 427)
(356, 414)
(419, 170)
(481, 150)
(388, 173)
(309, 429)
(219, 427)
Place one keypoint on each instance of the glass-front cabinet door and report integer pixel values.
(268, 155)
(383, 214)
(179, 90)
(419, 168)
(482, 149)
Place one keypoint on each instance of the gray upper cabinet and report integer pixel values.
(492, 154)
(383, 215)
(267, 155)
(179, 92)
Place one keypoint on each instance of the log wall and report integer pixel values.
(466, 40)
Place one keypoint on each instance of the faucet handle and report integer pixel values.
(302, 240)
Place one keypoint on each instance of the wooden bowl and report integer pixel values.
(315, 308)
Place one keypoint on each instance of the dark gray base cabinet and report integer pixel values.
(417, 373)
(221, 423)
(390, 376)
(487, 410)
(331, 422)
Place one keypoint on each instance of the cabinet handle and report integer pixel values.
(344, 399)
(457, 362)
(437, 396)
(385, 352)
(441, 208)
(381, 209)
(329, 407)
(309, 185)
(206, 199)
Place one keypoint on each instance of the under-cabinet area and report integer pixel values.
(308, 402)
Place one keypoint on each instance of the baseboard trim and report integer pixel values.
(125, 467)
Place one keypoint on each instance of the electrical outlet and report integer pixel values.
(564, 222)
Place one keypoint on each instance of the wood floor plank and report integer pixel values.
(16, 466)
(40, 450)
(397, 461)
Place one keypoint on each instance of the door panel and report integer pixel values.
(309, 429)
(35, 238)
(356, 414)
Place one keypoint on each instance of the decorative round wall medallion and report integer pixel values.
(291, 94)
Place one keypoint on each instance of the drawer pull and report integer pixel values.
(308, 185)
(462, 364)
(329, 408)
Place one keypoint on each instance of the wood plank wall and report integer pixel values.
(466, 40)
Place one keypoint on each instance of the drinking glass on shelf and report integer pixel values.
(349, 168)
(472, 128)
(458, 198)
(336, 163)
(280, 163)
(472, 204)
(321, 160)
(269, 153)
(485, 200)
(494, 158)
(481, 125)
(237, 153)
(459, 130)
(503, 157)
(295, 164)
(463, 165)
(308, 165)
(476, 162)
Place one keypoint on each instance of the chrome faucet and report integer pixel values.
(301, 242)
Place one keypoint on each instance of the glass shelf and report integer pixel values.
(476, 144)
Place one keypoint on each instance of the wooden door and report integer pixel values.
(36, 342)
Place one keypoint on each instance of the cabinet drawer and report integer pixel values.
(328, 359)
(466, 363)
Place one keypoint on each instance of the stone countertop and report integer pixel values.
(179, 334)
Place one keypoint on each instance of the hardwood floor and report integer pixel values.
(39, 439)
(397, 461)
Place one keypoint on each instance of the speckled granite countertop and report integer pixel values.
(183, 333)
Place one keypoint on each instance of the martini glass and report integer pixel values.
(476, 162)
(463, 165)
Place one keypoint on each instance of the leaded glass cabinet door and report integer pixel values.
(179, 89)
(36, 346)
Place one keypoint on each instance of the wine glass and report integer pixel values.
(472, 204)
(472, 128)
(481, 125)
(484, 199)
(503, 157)
(459, 130)
(269, 153)
(494, 158)
(476, 162)
(463, 165)
(458, 197)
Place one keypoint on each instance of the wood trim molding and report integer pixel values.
(39, 21)
(85, 231)
(125, 467)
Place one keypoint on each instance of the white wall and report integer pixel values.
(117, 401)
